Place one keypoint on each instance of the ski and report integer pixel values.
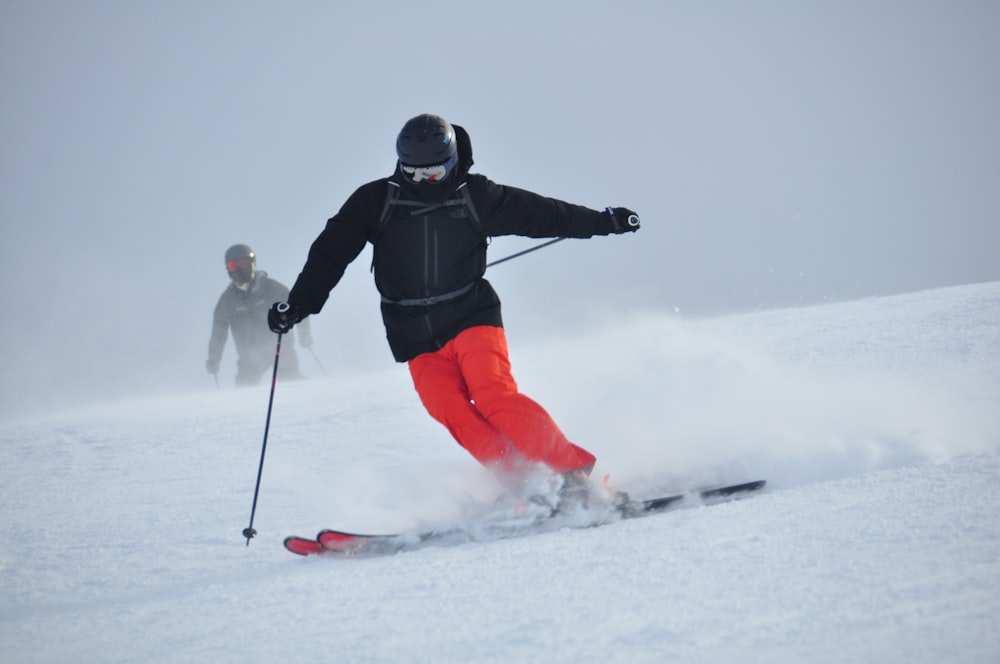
(303, 546)
(712, 494)
(346, 544)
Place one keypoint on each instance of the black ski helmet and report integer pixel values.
(241, 264)
(426, 140)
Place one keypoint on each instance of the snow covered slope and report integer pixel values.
(875, 421)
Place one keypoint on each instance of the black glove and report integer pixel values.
(212, 366)
(282, 317)
(624, 220)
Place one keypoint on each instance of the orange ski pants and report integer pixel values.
(467, 386)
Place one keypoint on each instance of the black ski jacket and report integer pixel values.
(244, 313)
(430, 249)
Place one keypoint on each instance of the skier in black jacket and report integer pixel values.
(429, 224)
(242, 309)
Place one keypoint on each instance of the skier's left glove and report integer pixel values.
(282, 317)
(623, 220)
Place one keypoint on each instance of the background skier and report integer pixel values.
(242, 309)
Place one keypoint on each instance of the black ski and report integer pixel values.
(635, 508)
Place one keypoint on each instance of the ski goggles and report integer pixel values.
(433, 173)
(234, 264)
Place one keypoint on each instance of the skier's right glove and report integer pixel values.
(623, 220)
(282, 317)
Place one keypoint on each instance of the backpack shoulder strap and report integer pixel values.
(391, 196)
(466, 197)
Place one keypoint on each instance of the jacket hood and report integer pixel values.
(464, 150)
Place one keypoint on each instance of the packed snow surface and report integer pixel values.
(876, 423)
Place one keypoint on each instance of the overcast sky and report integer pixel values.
(780, 153)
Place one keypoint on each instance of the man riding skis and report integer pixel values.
(429, 224)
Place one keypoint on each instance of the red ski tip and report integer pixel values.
(303, 546)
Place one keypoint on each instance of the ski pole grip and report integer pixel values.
(633, 220)
(284, 306)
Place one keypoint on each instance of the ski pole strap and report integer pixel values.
(427, 301)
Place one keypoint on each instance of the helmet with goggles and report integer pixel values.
(241, 264)
(427, 148)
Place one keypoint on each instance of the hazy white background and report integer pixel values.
(780, 153)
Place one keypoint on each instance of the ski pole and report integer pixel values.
(526, 251)
(249, 531)
(633, 220)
